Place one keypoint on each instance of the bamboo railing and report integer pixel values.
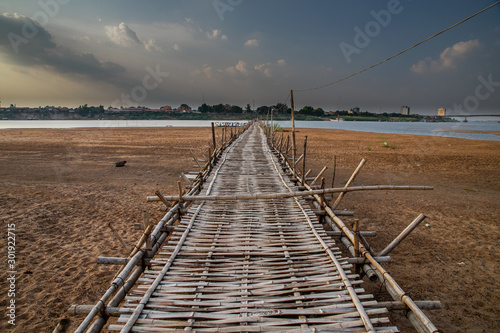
(370, 265)
(130, 273)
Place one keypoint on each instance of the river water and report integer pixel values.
(417, 128)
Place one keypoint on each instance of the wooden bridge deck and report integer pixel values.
(250, 266)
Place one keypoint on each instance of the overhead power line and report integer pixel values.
(399, 53)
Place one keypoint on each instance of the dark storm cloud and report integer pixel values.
(25, 42)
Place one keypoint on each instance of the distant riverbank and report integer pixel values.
(471, 130)
(7, 114)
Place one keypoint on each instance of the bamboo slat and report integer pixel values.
(265, 264)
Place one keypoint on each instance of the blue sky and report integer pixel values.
(163, 52)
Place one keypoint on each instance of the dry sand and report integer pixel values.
(60, 188)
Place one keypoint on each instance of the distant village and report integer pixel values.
(218, 111)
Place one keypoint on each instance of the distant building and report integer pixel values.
(441, 112)
(353, 110)
(166, 108)
(405, 110)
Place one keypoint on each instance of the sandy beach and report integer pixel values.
(60, 188)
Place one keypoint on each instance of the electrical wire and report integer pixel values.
(399, 53)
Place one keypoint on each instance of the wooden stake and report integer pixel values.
(117, 235)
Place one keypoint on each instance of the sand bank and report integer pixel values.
(61, 187)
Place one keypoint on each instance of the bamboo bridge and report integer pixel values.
(244, 251)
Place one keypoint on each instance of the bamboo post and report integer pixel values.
(334, 169)
(117, 235)
(214, 142)
(353, 176)
(179, 187)
(272, 125)
(162, 198)
(318, 176)
(186, 178)
(355, 230)
(144, 239)
(147, 225)
(402, 235)
(287, 144)
(304, 162)
(415, 314)
(267, 122)
(196, 160)
(322, 186)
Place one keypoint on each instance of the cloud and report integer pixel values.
(215, 34)
(122, 35)
(268, 67)
(206, 71)
(448, 59)
(151, 45)
(241, 67)
(252, 42)
(37, 49)
(176, 47)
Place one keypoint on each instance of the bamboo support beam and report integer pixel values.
(349, 182)
(402, 235)
(318, 176)
(120, 239)
(425, 305)
(196, 160)
(361, 233)
(360, 260)
(265, 196)
(415, 314)
(162, 198)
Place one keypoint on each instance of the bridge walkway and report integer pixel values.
(250, 266)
